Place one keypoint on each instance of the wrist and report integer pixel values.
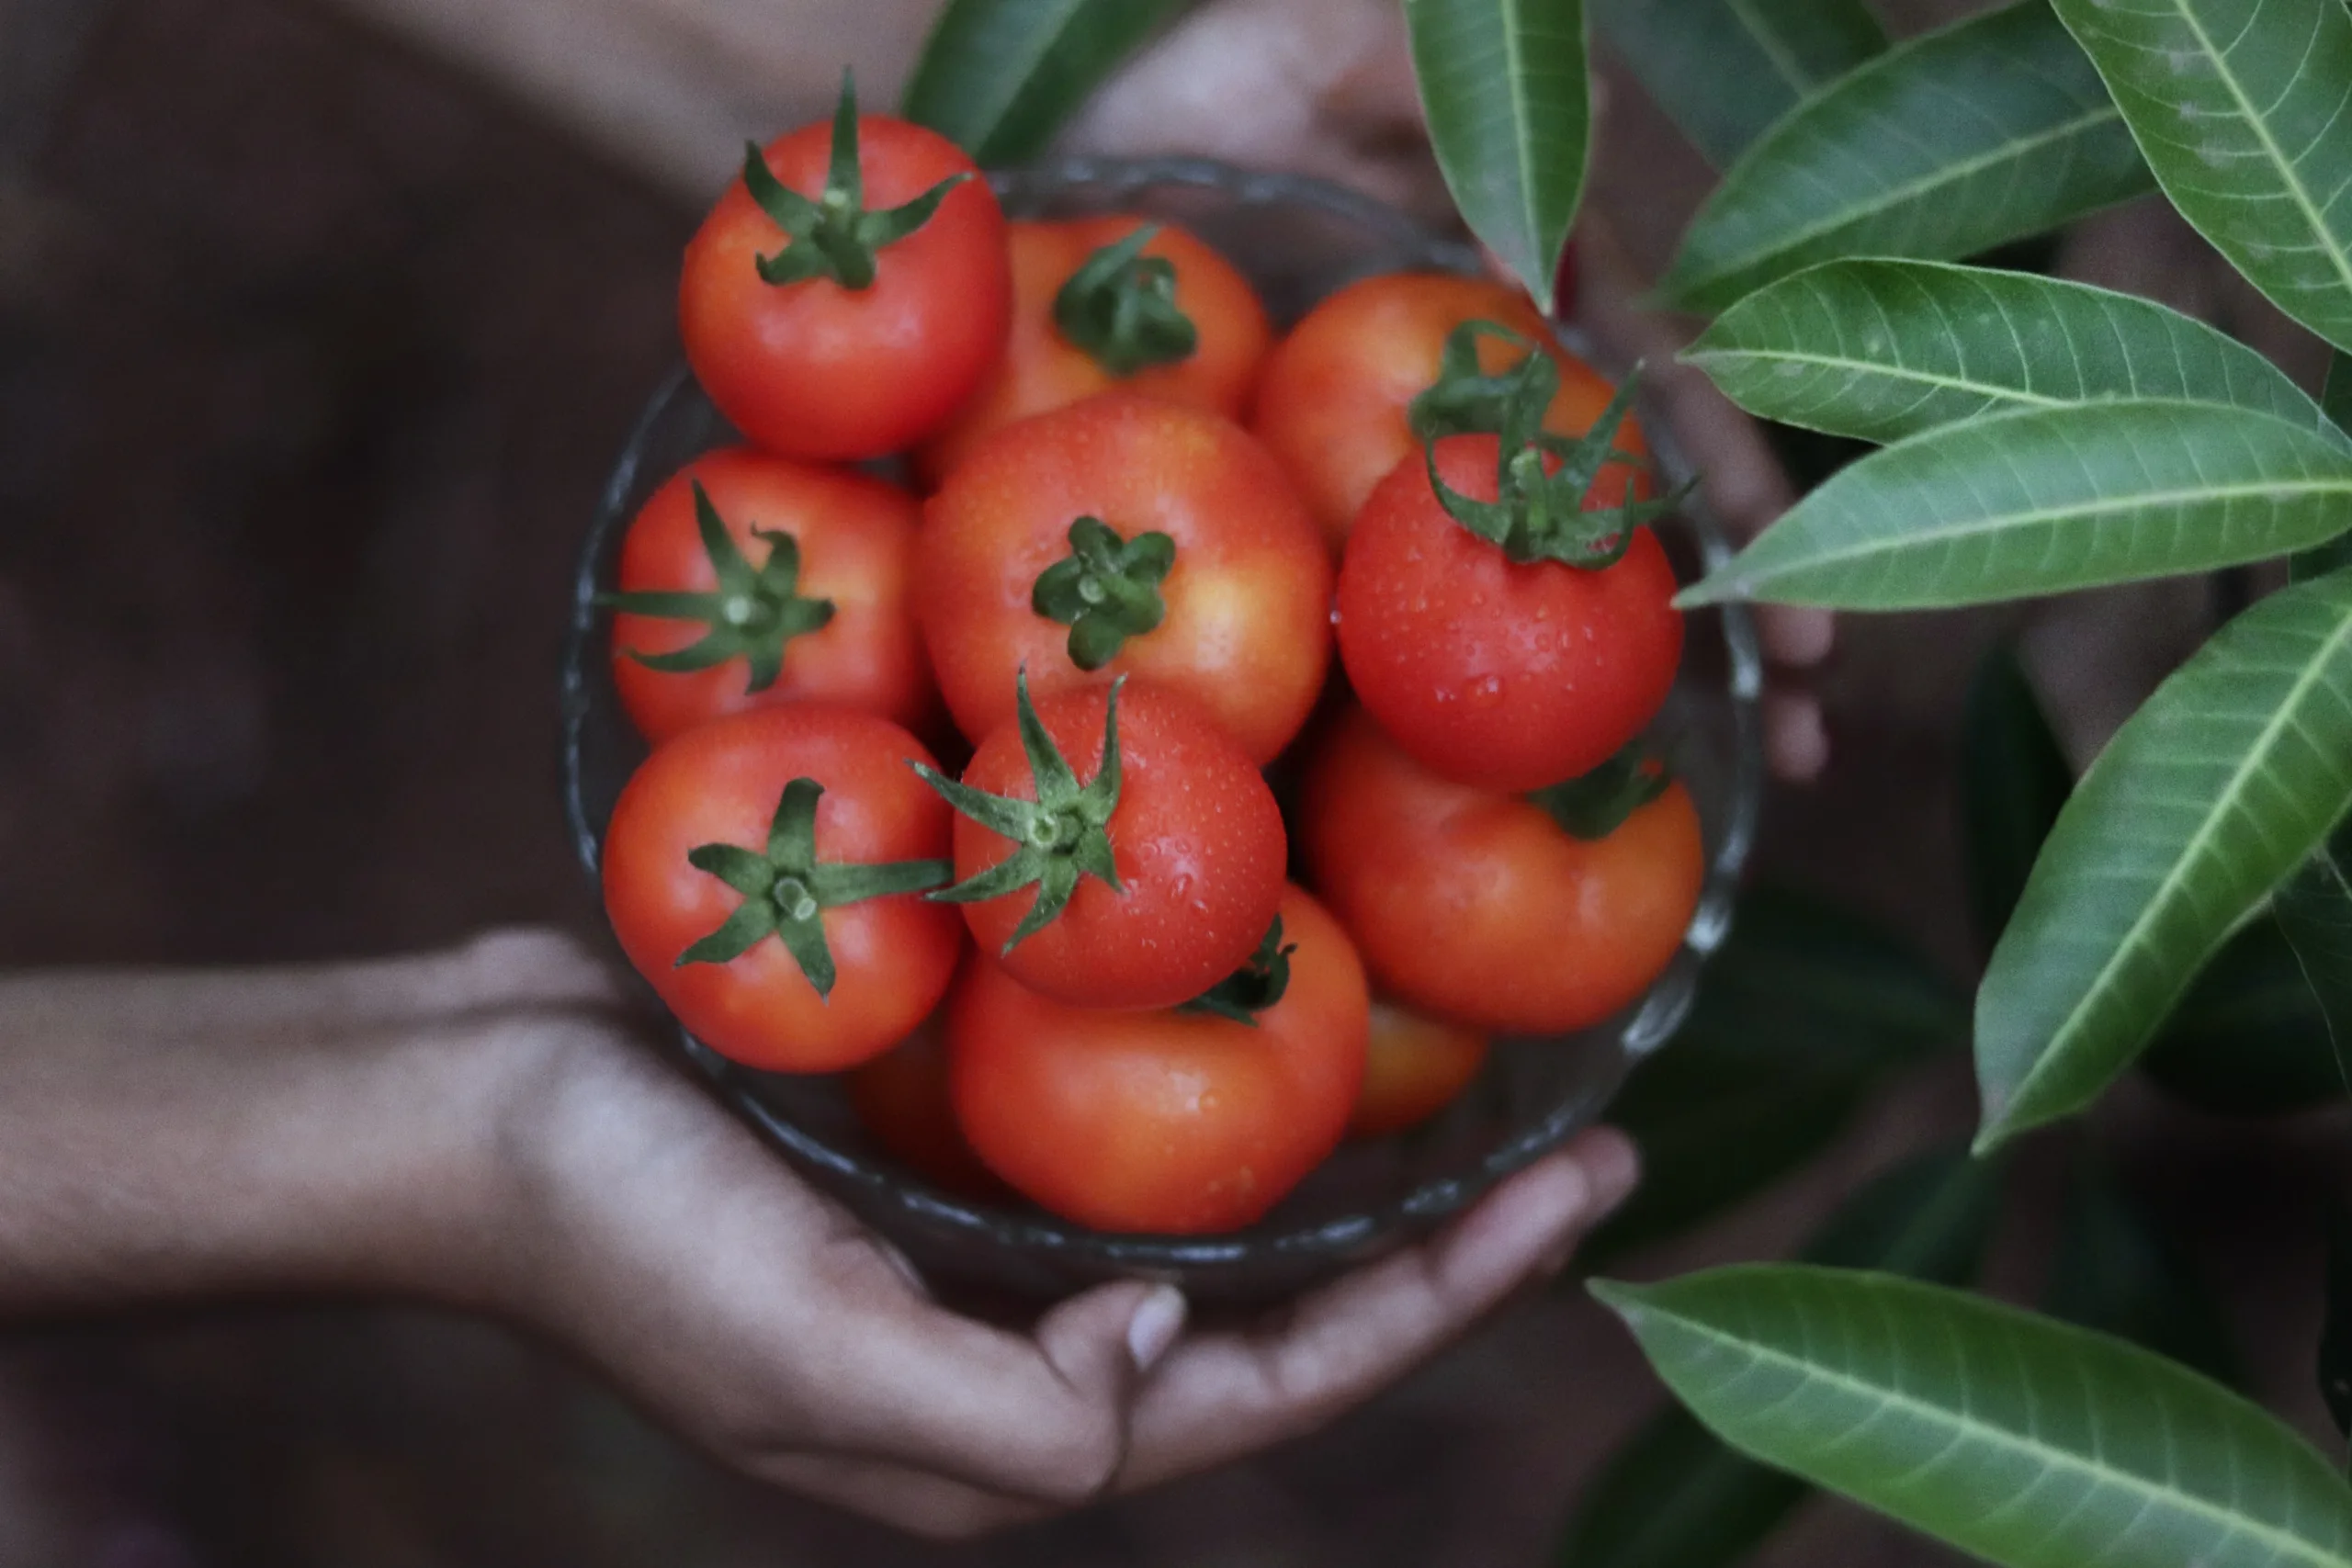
(342, 1128)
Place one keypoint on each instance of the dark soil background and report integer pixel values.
(313, 355)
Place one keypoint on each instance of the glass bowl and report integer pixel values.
(1299, 238)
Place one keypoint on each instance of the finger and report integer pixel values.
(927, 1504)
(1219, 1396)
(1796, 742)
(1795, 635)
(1041, 1417)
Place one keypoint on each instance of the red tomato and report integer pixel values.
(902, 1096)
(814, 607)
(1191, 830)
(1413, 1069)
(1171, 1122)
(863, 355)
(1507, 675)
(1181, 289)
(726, 784)
(1332, 404)
(1178, 551)
(1480, 907)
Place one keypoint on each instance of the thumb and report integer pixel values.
(1102, 1341)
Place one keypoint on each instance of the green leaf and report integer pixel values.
(1928, 1218)
(1880, 349)
(1505, 89)
(1725, 70)
(2117, 1272)
(2248, 1039)
(2314, 910)
(2226, 778)
(2023, 1440)
(1714, 1129)
(1802, 1012)
(2047, 500)
(1000, 77)
(2244, 110)
(1674, 1496)
(1802, 981)
(1990, 130)
(2014, 781)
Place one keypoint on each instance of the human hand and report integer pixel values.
(654, 1234)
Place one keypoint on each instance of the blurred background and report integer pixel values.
(319, 325)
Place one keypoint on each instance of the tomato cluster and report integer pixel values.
(1153, 549)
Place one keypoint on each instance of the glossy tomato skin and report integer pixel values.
(1169, 1122)
(1414, 1068)
(856, 539)
(1331, 401)
(1477, 907)
(1043, 370)
(1197, 840)
(1506, 675)
(902, 1098)
(816, 370)
(721, 784)
(1247, 632)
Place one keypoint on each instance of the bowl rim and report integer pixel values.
(1045, 1236)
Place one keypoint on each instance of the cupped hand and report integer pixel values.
(655, 1235)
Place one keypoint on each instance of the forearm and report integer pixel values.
(340, 1127)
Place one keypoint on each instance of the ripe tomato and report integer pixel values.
(1177, 321)
(1331, 403)
(889, 305)
(763, 872)
(1171, 1122)
(1481, 907)
(901, 1096)
(1155, 848)
(800, 596)
(1505, 673)
(1413, 1069)
(1123, 535)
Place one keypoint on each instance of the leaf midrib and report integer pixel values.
(2191, 853)
(1770, 46)
(1885, 371)
(1014, 80)
(1962, 1425)
(1944, 174)
(2278, 155)
(1883, 545)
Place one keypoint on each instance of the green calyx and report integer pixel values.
(752, 615)
(834, 236)
(1595, 804)
(1119, 308)
(1061, 836)
(1541, 479)
(1105, 590)
(1259, 984)
(787, 889)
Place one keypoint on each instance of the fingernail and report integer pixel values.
(1158, 1320)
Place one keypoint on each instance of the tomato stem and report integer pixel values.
(753, 614)
(1595, 804)
(1105, 590)
(1060, 837)
(834, 236)
(1119, 307)
(787, 889)
(1542, 480)
(1261, 982)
